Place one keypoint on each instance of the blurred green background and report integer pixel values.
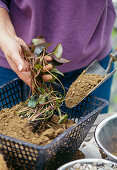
(113, 100)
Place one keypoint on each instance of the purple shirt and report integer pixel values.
(83, 27)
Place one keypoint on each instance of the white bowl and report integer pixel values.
(104, 134)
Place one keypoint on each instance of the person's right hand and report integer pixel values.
(15, 57)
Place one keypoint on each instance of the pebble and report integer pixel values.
(95, 166)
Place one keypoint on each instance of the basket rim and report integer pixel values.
(9, 82)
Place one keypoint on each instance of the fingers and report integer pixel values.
(48, 58)
(47, 78)
(24, 75)
(14, 52)
(24, 50)
(47, 67)
(21, 42)
(24, 46)
(21, 64)
(16, 58)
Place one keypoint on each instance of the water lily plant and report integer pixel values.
(43, 100)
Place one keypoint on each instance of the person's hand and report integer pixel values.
(13, 52)
(15, 57)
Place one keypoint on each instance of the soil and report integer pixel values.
(19, 128)
(78, 155)
(113, 145)
(3, 165)
(103, 155)
(81, 87)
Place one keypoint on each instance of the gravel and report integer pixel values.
(95, 166)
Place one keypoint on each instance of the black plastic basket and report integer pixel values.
(23, 155)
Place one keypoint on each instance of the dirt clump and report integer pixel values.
(18, 127)
(81, 87)
(3, 165)
(78, 155)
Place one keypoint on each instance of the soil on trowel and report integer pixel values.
(81, 87)
(18, 127)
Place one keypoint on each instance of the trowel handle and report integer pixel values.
(113, 54)
(113, 58)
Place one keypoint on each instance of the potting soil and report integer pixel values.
(18, 127)
(81, 87)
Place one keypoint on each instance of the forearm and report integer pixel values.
(6, 26)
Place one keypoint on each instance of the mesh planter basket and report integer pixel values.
(23, 155)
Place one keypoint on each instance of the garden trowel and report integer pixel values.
(96, 68)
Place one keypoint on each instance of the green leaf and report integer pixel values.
(63, 118)
(57, 62)
(38, 66)
(38, 40)
(40, 47)
(52, 80)
(42, 90)
(41, 99)
(55, 70)
(58, 51)
(32, 102)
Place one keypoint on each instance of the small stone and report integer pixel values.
(59, 131)
(94, 166)
(77, 165)
(70, 168)
(89, 166)
(73, 92)
(49, 133)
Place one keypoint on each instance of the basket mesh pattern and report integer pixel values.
(23, 155)
(9, 94)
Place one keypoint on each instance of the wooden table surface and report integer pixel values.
(100, 117)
